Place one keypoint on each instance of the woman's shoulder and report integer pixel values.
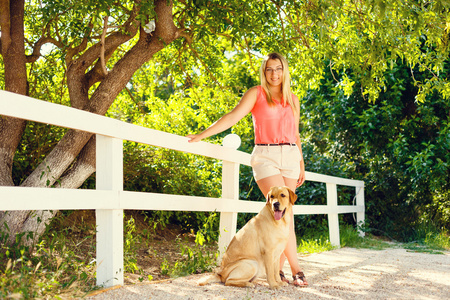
(250, 96)
(253, 91)
(294, 97)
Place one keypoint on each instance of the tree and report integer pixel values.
(92, 87)
(102, 44)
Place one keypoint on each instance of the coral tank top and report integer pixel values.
(273, 124)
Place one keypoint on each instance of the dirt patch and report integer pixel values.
(153, 246)
(345, 273)
(161, 247)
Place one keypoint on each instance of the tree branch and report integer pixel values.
(147, 45)
(38, 45)
(297, 28)
(102, 49)
(282, 23)
(5, 25)
(111, 43)
(71, 52)
(78, 80)
(250, 55)
(206, 66)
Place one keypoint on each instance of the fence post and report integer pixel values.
(230, 190)
(333, 216)
(109, 176)
(360, 216)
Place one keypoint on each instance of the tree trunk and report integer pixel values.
(13, 52)
(81, 169)
(76, 142)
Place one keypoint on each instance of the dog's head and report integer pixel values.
(280, 198)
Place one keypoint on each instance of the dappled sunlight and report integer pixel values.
(345, 273)
(378, 269)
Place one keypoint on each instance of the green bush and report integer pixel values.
(398, 146)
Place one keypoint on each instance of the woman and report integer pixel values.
(277, 158)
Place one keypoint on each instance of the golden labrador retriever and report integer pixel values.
(257, 247)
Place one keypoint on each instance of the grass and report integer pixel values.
(432, 242)
(317, 245)
(196, 259)
(54, 270)
(439, 240)
(351, 238)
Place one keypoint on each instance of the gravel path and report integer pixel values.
(345, 273)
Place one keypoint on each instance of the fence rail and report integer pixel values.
(109, 200)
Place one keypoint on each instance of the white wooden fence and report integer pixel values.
(110, 200)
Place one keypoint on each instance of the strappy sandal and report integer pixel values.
(300, 276)
(283, 278)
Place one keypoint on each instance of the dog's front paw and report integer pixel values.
(282, 283)
(278, 285)
(275, 286)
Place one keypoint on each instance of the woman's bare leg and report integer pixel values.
(290, 251)
(267, 183)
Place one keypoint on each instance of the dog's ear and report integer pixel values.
(292, 196)
(268, 197)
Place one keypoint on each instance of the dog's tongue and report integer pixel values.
(278, 215)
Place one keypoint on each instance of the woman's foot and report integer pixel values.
(299, 279)
(283, 278)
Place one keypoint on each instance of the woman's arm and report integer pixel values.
(244, 106)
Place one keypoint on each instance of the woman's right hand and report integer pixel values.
(194, 138)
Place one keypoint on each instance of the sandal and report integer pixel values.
(283, 278)
(300, 276)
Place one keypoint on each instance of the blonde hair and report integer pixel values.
(285, 82)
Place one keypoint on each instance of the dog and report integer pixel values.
(257, 247)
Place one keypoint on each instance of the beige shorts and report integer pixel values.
(274, 160)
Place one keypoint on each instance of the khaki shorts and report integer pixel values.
(274, 160)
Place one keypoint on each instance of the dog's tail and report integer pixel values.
(211, 278)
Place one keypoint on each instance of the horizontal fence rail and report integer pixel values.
(109, 200)
(69, 199)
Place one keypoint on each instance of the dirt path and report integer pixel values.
(345, 273)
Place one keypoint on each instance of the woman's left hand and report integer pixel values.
(302, 177)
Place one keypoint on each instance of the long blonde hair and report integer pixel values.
(285, 82)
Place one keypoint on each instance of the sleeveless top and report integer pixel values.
(273, 124)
